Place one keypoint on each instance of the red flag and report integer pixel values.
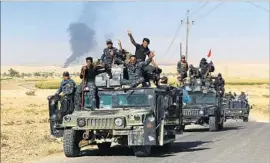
(209, 57)
(209, 54)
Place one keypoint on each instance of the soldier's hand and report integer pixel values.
(119, 42)
(151, 55)
(129, 32)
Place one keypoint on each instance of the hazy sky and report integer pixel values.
(36, 32)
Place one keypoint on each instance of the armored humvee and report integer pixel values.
(135, 117)
(236, 109)
(205, 107)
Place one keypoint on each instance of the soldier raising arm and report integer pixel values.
(141, 50)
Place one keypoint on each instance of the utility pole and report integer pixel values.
(187, 32)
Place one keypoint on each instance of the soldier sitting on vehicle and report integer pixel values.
(135, 70)
(219, 84)
(194, 72)
(68, 88)
(182, 68)
(242, 96)
(110, 56)
(88, 74)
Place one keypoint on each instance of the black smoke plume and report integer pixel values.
(83, 33)
(82, 40)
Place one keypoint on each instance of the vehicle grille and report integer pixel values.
(191, 112)
(100, 122)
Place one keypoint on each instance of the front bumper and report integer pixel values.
(194, 120)
(235, 114)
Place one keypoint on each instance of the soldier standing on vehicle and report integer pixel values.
(88, 74)
(219, 84)
(242, 96)
(204, 68)
(231, 95)
(135, 70)
(142, 50)
(110, 56)
(68, 88)
(182, 68)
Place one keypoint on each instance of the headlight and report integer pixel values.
(201, 112)
(67, 118)
(151, 118)
(240, 111)
(118, 122)
(81, 122)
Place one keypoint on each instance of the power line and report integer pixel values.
(260, 7)
(181, 23)
(178, 28)
(214, 8)
(204, 4)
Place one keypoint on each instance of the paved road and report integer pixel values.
(238, 143)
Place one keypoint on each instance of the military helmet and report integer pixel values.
(109, 41)
(183, 57)
(219, 74)
(191, 65)
(203, 59)
(66, 73)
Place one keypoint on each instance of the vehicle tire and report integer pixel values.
(71, 143)
(142, 151)
(55, 132)
(245, 119)
(213, 124)
(221, 125)
(183, 127)
(104, 147)
(166, 147)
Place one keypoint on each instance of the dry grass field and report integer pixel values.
(24, 114)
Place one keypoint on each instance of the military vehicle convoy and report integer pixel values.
(140, 118)
(236, 108)
(205, 107)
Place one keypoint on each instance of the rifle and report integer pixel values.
(83, 84)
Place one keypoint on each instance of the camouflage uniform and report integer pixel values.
(68, 88)
(135, 73)
(219, 85)
(109, 57)
(194, 72)
(182, 68)
(242, 97)
(90, 74)
(204, 68)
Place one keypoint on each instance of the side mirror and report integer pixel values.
(251, 107)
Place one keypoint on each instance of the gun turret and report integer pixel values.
(198, 85)
(103, 80)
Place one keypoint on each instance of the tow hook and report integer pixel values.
(86, 135)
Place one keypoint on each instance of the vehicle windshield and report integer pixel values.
(237, 104)
(132, 100)
(203, 98)
(125, 100)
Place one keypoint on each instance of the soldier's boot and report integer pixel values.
(137, 82)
